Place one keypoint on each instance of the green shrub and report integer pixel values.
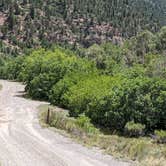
(84, 123)
(43, 69)
(11, 68)
(161, 136)
(62, 87)
(80, 96)
(133, 129)
(114, 101)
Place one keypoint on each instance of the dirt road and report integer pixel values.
(24, 143)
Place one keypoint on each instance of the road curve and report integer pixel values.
(24, 143)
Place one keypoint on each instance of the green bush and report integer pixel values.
(11, 67)
(61, 87)
(85, 123)
(43, 69)
(161, 136)
(114, 101)
(106, 56)
(80, 96)
(133, 129)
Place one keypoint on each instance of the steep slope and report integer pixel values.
(29, 23)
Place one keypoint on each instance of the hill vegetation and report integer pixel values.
(34, 23)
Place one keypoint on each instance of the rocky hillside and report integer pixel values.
(34, 23)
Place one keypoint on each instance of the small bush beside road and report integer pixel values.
(134, 129)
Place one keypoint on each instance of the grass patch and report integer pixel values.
(80, 128)
(141, 150)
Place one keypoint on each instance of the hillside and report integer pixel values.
(34, 23)
(101, 64)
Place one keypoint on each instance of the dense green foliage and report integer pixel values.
(134, 129)
(161, 136)
(112, 102)
(34, 23)
(42, 69)
(112, 85)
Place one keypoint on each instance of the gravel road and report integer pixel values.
(24, 143)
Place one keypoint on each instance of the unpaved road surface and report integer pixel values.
(24, 143)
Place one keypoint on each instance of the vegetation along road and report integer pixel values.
(24, 143)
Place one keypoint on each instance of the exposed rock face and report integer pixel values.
(2, 19)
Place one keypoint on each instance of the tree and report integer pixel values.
(161, 40)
